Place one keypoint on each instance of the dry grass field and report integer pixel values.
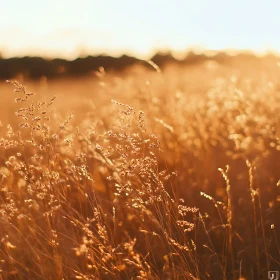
(170, 173)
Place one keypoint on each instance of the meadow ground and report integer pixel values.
(149, 174)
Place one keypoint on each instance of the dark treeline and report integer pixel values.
(37, 67)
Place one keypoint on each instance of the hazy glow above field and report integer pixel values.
(70, 28)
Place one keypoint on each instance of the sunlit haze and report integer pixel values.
(73, 28)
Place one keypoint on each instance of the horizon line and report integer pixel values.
(177, 54)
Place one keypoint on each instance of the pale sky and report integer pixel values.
(69, 28)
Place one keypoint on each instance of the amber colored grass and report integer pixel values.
(166, 174)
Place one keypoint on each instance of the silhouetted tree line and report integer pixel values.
(36, 67)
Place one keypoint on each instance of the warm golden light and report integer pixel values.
(161, 163)
(66, 29)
